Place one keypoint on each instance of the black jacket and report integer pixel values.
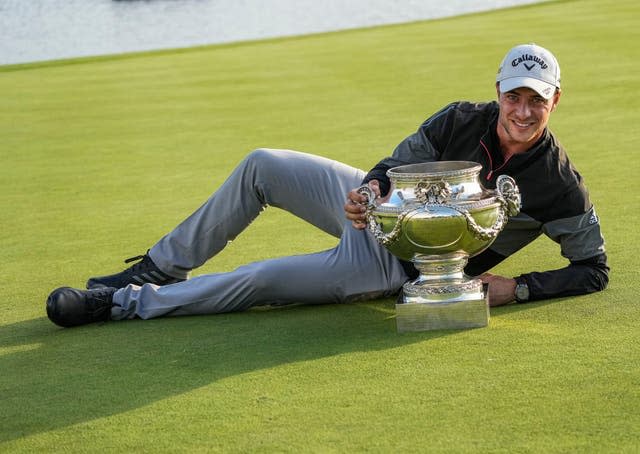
(555, 200)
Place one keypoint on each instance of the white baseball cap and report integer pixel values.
(532, 66)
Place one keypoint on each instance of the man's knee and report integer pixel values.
(264, 159)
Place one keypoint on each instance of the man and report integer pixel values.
(509, 137)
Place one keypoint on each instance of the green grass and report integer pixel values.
(100, 157)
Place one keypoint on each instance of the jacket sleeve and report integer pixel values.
(582, 243)
(421, 146)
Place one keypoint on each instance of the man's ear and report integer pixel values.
(498, 89)
(556, 99)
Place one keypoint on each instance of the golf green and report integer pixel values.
(102, 156)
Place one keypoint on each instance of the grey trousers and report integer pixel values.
(310, 187)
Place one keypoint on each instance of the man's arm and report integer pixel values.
(414, 149)
(579, 278)
(421, 146)
(580, 241)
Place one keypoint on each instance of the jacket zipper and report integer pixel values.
(490, 174)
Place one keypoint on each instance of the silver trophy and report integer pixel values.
(437, 216)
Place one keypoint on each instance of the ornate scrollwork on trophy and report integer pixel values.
(433, 192)
(425, 291)
(484, 233)
(438, 192)
(388, 238)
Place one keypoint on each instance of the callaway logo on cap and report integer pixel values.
(532, 66)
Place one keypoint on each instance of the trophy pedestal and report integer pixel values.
(427, 316)
(442, 297)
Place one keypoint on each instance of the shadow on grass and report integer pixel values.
(53, 377)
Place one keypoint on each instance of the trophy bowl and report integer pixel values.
(437, 216)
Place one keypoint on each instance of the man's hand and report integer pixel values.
(502, 290)
(356, 205)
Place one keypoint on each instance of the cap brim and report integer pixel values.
(544, 89)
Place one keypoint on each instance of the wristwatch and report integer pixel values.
(522, 290)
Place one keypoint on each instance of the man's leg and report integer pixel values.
(358, 268)
(310, 187)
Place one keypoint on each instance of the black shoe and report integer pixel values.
(143, 272)
(68, 306)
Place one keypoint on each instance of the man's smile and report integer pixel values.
(522, 124)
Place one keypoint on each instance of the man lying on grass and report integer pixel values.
(508, 136)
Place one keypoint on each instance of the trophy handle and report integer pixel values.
(369, 194)
(509, 194)
(509, 197)
(382, 238)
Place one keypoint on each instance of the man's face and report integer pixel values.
(523, 116)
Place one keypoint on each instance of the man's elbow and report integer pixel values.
(600, 280)
(599, 273)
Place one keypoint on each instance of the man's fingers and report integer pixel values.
(354, 207)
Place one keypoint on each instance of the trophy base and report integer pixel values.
(427, 316)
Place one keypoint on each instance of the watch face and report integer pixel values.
(522, 292)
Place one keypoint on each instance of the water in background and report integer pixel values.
(37, 30)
